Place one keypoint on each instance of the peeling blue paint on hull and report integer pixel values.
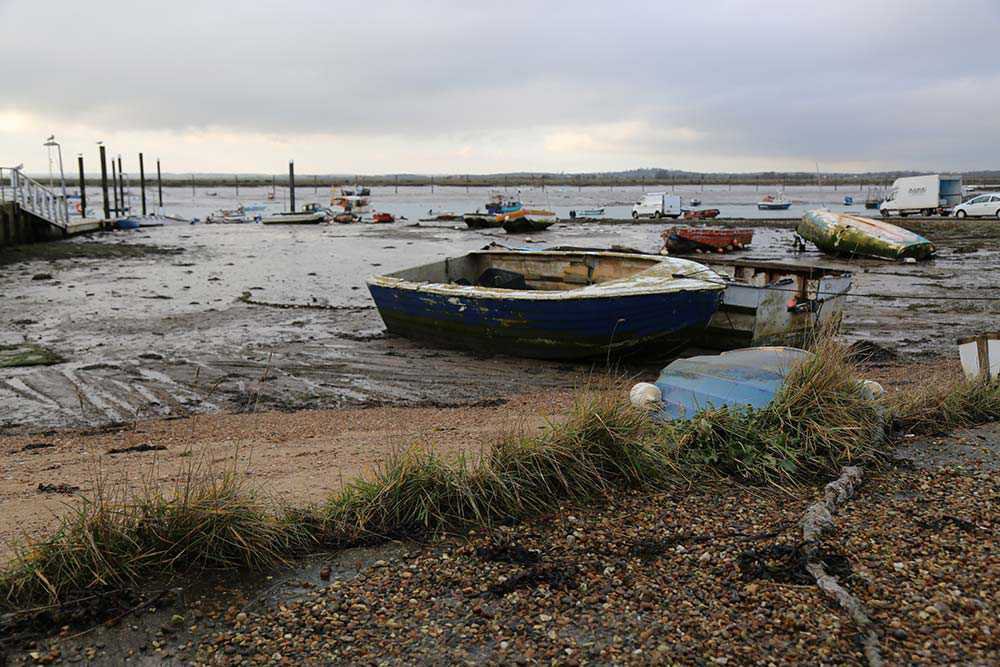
(548, 329)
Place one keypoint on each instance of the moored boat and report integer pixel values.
(683, 238)
(703, 214)
(482, 220)
(440, 216)
(525, 220)
(305, 218)
(774, 203)
(854, 235)
(382, 216)
(557, 305)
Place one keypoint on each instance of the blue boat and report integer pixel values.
(738, 379)
(548, 304)
(127, 223)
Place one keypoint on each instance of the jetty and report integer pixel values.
(31, 212)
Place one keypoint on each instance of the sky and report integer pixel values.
(230, 86)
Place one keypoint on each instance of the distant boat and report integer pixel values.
(526, 220)
(440, 216)
(383, 217)
(482, 220)
(586, 213)
(853, 235)
(303, 218)
(228, 216)
(127, 223)
(356, 191)
(550, 305)
(848, 200)
(703, 214)
(695, 202)
(774, 203)
(873, 199)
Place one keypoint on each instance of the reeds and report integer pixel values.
(944, 403)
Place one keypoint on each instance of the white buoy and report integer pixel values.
(646, 396)
(871, 389)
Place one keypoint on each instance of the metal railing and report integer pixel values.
(33, 197)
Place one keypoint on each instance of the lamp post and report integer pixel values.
(50, 142)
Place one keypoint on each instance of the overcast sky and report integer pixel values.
(485, 86)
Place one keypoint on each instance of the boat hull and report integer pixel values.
(478, 221)
(522, 225)
(549, 329)
(774, 207)
(851, 235)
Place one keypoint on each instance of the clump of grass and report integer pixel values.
(112, 541)
(945, 403)
(819, 420)
(604, 444)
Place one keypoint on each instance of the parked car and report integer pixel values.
(657, 205)
(987, 205)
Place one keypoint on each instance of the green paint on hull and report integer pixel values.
(837, 234)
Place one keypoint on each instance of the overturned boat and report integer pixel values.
(550, 305)
(525, 220)
(685, 239)
(774, 303)
(740, 379)
(853, 235)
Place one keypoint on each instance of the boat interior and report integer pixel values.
(528, 270)
(804, 281)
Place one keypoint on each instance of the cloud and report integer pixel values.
(459, 86)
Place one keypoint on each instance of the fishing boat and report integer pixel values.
(550, 305)
(525, 220)
(774, 303)
(740, 379)
(303, 218)
(774, 203)
(482, 220)
(681, 239)
(704, 214)
(853, 235)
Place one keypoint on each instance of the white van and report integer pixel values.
(657, 205)
(924, 195)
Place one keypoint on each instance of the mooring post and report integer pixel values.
(315, 184)
(159, 182)
(114, 185)
(291, 184)
(396, 184)
(142, 183)
(104, 184)
(192, 186)
(83, 187)
(236, 180)
(432, 185)
(121, 186)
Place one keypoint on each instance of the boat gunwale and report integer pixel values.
(642, 283)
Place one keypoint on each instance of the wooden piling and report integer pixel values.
(114, 186)
(159, 182)
(104, 184)
(121, 186)
(142, 183)
(291, 185)
(236, 180)
(83, 188)
(192, 187)
(396, 184)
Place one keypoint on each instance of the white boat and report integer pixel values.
(775, 202)
(311, 216)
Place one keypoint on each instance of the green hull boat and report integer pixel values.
(853, 235)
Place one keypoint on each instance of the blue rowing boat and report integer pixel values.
(549, 304)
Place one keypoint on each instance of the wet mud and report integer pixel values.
(185, 319)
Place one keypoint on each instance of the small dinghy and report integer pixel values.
(308, 218)
(747, 378)
(550, 305)
(853, 235)
(683, 239)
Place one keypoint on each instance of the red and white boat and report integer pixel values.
(683, 239)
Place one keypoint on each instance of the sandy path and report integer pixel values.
(300, 457)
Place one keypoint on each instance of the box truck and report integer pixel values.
(926, 195)
(657, 205)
